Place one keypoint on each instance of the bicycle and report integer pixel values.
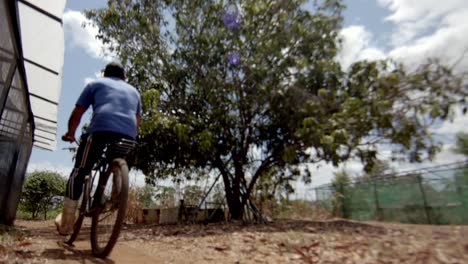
(109, 198)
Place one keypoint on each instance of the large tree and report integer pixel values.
(283, 101)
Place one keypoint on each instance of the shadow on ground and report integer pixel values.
(68, 253)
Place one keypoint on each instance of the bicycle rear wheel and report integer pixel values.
(111, 206)
(82, 212)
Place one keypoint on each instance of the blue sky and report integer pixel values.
(406, 30)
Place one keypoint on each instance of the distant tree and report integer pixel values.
(461, 177)
(166, 196)
(276, 183)
(145, 196)
(218, 195)
(340, 182)
(284, 101)
(462, 144)
(41, 191)
(193, 195)
(379, 169)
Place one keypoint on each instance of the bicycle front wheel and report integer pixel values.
(109, 209)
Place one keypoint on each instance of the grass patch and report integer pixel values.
(9, 234)
(300, 209)
(20, 214)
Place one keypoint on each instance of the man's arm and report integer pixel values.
(73, 123)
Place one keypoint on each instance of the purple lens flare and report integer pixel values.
(231, 16)
(234, 57)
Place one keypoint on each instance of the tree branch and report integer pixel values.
(266, 164)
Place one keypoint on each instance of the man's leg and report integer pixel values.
(88, 152)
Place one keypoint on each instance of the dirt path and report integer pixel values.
(286, 241)
(40, 243)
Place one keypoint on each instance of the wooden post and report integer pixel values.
(342, 201)
(426, 207)
(377, 203)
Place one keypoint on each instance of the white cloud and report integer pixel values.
(90, 79)
(357, 46)
(84, 38)
(459, 124)
(448, 42)
(43, 166)
(415, 10)
(422, 29)
(414, 16)
(136, 178)
(446, 156)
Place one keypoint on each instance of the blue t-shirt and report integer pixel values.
(115, 106)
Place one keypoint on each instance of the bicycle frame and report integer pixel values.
(98, 172)
(112, 158)
(100, 169)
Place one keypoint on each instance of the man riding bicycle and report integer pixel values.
(116, 115)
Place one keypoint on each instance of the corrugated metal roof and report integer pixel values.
(42, 42)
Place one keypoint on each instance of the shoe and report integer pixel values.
(66, 220)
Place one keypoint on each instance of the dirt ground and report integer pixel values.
(284, 241)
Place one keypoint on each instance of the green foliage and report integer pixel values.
(42, 192)
(461, 181)
(288, 102)
(10, 234)
(295, 209)
(277, 183)
(165, 196)
(379, 169)
(145, 196)
(218, 196)
(340, 178)
(340, 181)
(193, 195)
(462, 143)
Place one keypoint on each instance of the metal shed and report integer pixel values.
(31, 61)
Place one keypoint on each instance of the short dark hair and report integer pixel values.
(114, 69)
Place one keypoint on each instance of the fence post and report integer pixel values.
(342, 201)
(424, 199)
(377, 204)
(464, 210)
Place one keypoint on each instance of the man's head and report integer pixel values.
(114, 69)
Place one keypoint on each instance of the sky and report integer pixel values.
(409, 31)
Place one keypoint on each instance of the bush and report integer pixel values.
(293, 209)
(42, 193)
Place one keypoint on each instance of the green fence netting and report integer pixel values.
(437, 195)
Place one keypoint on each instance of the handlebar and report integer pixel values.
(70, 139)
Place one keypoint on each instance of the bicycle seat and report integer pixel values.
(120, 148)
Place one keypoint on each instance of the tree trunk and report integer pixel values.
(233, 197)
(236, 196)
(233, 192)
(235, 207)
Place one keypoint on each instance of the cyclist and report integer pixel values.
(116, 114)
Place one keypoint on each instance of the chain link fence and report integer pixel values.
(437, 195)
